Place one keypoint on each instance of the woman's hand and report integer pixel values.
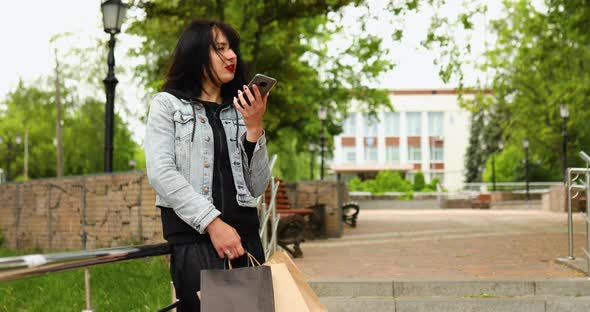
(225, 239)
(252, 112)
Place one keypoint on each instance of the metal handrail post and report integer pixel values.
(570, 221)
(87, 291)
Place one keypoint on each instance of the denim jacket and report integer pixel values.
(180, 166)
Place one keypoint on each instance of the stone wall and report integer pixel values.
(308, 193)
(79, 212)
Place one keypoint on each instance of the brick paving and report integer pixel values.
(446, 244)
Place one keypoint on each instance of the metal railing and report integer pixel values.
(573, 183)
(535, 187)
(19, 267)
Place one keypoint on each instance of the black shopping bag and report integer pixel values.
(246, 289)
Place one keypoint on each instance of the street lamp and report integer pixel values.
(500, 147)
(525, 144)
(564, 113)
(322, 114)
(113, 14)
(312, 149)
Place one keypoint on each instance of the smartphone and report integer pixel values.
(264, 83)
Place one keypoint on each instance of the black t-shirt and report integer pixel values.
(243, 219)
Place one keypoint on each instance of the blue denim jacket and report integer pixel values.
(181, 170)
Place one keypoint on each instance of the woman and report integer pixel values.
(206, 157)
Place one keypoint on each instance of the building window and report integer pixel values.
(392, 154)
(349, 126)
(435, 123)
(391, 124)
(414, 154)
(371, 154)
(414, 123)
(371, 123)
(349, 153)
(436, 154)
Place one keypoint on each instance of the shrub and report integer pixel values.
(419, 183)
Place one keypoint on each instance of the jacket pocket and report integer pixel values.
(183, 125)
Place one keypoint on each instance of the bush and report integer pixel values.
(385, 181)
(419, 183)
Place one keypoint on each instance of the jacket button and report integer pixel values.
(205, 190)
(207, 139)
(202, 119)
(206, 164)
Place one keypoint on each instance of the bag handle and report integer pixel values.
(251, 260)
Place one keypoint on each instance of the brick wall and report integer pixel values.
(79, 212)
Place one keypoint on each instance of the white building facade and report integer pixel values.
(427, 131)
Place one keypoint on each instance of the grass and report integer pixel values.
(135, 285)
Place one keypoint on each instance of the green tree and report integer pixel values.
(475, 158)
(289, 41)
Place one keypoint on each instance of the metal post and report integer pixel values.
(570, 222)
(323, 142)
(526, 171)
(586, 219)
(564, 146)
(110, 82)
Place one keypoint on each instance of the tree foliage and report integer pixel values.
(539, 61)
(288, 40)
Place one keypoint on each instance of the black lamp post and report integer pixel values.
(312, 149)
(500, 147)
(9, 153)
(322, 114)
(564, 113)
(525, 144)
(113, 14)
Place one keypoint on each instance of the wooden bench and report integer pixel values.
(295, 224)
(482, 201)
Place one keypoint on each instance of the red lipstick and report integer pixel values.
(231, 67)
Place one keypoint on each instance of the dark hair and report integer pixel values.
(190, 60)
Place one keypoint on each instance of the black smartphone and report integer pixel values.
(264, 83)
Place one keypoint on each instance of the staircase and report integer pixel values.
(544, 295)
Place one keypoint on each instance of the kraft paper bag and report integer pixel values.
(311, 299)
(247, 289)
(287, 296)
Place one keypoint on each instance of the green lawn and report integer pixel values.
(135, 285)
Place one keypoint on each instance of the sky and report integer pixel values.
(29, 24)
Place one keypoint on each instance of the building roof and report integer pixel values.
(356, 168)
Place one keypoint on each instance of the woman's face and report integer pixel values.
(223, 58)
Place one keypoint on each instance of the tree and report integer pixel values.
(475, 158)
(289, 41)
(539, 61)
(419, 182)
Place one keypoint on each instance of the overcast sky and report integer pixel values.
(27, 26)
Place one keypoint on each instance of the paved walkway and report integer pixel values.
(446, 244)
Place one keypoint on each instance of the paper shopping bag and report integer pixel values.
(246, 289)
(287, 296)
(311, 299)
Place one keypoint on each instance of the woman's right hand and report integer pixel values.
(225, 239)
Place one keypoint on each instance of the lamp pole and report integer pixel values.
(113, 12)
(322, 114)
(312, 148)
(525, 144)
(564, 113)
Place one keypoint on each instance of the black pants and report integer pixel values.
(188, 260)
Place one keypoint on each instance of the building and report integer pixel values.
(427, 131)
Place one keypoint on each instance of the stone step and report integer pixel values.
(457, 304)
(570, 287)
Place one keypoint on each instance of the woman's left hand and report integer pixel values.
(252, 112)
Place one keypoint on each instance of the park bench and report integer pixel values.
(482, 201)
(295, 224)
